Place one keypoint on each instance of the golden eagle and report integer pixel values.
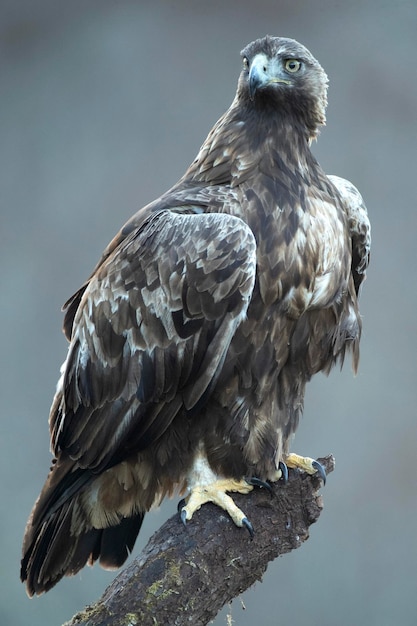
(193, 339)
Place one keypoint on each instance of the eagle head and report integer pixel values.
(282, 75)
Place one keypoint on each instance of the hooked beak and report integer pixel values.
(264, 72)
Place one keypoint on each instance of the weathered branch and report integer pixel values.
(186, 575)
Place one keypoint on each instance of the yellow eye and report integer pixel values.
(292, 65)
(245, 63)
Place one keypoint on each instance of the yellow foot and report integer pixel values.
(306, 464)
(216, 492)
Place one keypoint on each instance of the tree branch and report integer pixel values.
(186, 575)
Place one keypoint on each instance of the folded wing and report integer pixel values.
(151, 332)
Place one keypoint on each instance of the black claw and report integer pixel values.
(257, 482)
(183, 516)
(246, 523)
(320, 470)
(284, 471)
(181, 511)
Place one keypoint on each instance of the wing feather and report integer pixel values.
(151, 332)
(359, 227)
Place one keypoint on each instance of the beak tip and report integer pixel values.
(254, 83)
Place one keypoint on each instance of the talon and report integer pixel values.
(246, 523)
(320, 470)
(257, 482)
(284, 471)
(216, 492)
(307, 465)
(181, 505)
(183, 516)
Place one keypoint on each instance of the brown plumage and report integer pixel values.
(193, 339)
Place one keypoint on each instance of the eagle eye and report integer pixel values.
(245, 63)
(292, 65)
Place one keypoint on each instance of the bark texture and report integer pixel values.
(186, 575)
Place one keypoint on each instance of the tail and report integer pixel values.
(59, 541)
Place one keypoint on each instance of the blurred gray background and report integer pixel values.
(103, 105)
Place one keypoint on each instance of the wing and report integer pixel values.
(151, 332)
(198, 198)
(359, 227)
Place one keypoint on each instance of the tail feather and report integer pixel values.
(58, 543)
(117, 541)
